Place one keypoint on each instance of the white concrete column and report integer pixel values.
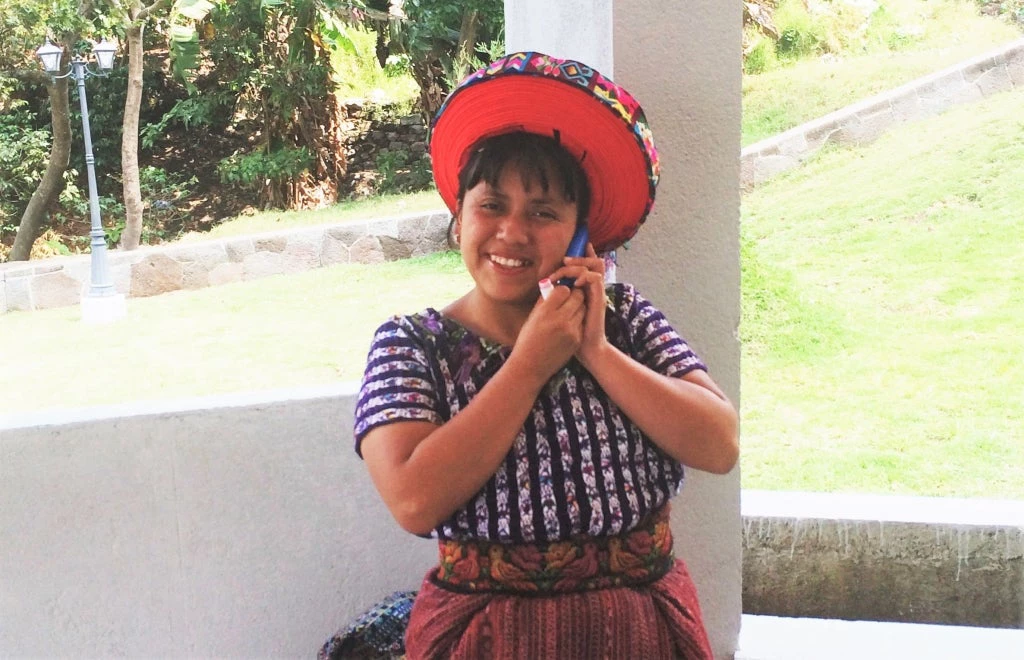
(682, 61)
(571, 29)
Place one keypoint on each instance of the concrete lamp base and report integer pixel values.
(103, 309)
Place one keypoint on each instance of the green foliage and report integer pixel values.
(24, 152)
(433, 36)
(358, 73)
(402, 173)
(761, 56)
(189, 113)
(183, 36)
(799, 34)
(252, 169)
(166, 198)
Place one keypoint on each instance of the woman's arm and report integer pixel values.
(689, 418)
(425, 472)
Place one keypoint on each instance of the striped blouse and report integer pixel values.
(578, 465)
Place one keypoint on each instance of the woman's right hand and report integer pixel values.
(552, 333)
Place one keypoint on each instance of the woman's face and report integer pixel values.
(512, 235)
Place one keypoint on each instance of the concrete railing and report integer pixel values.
(233, 527)
(245, 526)
(884, 558)
(997, 71)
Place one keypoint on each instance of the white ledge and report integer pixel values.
(781, 638)
(882, 508)
(61, 416)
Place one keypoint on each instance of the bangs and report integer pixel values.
(539, 160)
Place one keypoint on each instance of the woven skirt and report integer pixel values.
(623, 597)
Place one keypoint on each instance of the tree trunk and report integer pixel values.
(467, 42)
(429, 75)
(52, 183)
(131, 189)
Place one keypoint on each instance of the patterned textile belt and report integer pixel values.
(634, 558)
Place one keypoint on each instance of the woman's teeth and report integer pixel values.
(508, 263)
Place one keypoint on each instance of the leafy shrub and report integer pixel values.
(164, 195)
(24, 152)
(401, 173)
(761, 56)
(799, 34)
(252, 169)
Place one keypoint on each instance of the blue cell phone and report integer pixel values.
(577, 248)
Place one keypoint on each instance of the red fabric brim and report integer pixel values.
(604, 144)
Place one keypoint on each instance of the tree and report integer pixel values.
(442, 39)
(269, 77)
(52, 183)
(133, 16)
(33, 19)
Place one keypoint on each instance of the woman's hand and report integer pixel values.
(588, 274)
(553, 332)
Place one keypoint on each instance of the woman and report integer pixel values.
(539, 438)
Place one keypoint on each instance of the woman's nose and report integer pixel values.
(513, 227)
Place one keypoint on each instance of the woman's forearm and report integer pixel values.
(687, 418)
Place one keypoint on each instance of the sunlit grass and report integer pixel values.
(883, 301)
(292, 330)
(944, 33)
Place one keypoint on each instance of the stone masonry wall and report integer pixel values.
(62, 281)
(370, 130)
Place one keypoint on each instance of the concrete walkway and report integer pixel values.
(778, 638)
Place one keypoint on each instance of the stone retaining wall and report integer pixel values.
(62, 281)
(996, 71)
(371, 130)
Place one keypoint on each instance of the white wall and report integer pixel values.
(682, 61)
(243, 527)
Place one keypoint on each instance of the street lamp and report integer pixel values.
(102, 303)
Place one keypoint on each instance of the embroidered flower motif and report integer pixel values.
(560, 555)
(468, 569)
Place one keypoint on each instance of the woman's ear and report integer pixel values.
(454, 227)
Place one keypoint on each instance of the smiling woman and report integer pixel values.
(539, 439)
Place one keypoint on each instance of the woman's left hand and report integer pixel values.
(588, 273)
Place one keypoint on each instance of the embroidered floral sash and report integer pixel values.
(635, 558)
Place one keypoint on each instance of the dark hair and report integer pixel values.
(537, 158)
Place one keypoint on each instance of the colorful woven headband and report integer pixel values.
(597, 121)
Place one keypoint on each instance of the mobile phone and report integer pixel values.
(577, 248)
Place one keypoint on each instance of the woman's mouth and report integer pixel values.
(506, 262)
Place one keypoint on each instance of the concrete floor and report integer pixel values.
(778, 638)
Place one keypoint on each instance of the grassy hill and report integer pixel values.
(883, 300)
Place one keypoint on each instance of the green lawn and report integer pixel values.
(348, 211)
(945, 33)
(883, 307)
(278, 332)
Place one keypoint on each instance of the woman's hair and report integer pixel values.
(537, 158)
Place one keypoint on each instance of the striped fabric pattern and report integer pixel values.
(578, 465)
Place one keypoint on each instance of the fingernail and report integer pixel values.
(546, 287)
